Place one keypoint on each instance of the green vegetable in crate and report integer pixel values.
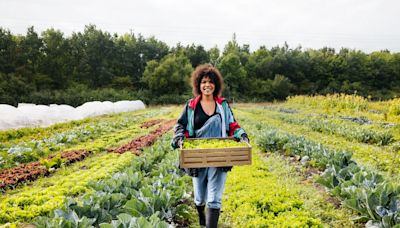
(212, 143)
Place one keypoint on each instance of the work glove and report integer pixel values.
(177, 142)
(244, 138)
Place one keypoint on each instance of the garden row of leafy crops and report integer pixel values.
(273, 193)
(330, 145)
(148, 193)
(348, 131)
(26, 134)
(46, 194)
(9, 178)
(367, 192)
(13, 153)
(385, 158)
(348, 105)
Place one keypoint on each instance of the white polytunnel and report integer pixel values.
(32, 115)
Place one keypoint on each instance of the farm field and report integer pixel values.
(317, 162)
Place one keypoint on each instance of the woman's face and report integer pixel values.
(207, 87)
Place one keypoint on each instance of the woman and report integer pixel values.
(207, 115)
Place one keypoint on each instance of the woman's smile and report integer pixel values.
(207, 86)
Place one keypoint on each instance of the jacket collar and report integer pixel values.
(193, 102)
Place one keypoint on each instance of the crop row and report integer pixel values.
(365, 191)
(47, 194)
(255, 198)
(360, 129)
(385, 158)
(27, 134)
(346, 130)
(271, 192)
(349, 105)
(146, 140)
(27, 151)
(145, 194)
(10, 178)
(334, 101)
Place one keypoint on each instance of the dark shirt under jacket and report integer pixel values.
(200, 117)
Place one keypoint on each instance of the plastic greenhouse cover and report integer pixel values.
(32, 115)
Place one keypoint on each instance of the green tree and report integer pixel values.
(234, 76)
(281, 87)
(169, 76)
(214, 54)
(54, 65)
(8, 50)
(197, 55)
(29, 54)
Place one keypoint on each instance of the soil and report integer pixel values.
(136, 145)
(150, 123)
(10, 178)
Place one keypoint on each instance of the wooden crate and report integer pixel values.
(218, 157)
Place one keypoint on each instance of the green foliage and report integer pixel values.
(55, 162)
(78, 94)
(211, 143)
(334, 101)
(50, 63)
(281, 87)
(197, 55)
(97, 133)
(256, 198)
(14, 88)
(170, 76)
(362, 190)
(234, 75)
(275, 140)
(46, 195)
(344, 129)
(394, 107)
(141, 195)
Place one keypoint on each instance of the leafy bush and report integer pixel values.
(362, 190)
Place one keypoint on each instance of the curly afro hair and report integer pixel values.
(207, 70)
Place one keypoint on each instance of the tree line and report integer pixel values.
(96, 65)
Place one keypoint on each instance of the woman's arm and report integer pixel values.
(234, 128)
(179, 129)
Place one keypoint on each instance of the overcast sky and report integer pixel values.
(368, 25)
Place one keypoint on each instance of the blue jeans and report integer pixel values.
(208, 187)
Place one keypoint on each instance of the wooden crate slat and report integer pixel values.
(189, 154)
(193, 160)
(217, 157)
(219, 154)
(240, 158)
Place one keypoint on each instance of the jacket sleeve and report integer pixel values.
(234, 128)
(180, 128)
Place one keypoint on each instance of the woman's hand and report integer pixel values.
(177, 142)
(244, 138)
